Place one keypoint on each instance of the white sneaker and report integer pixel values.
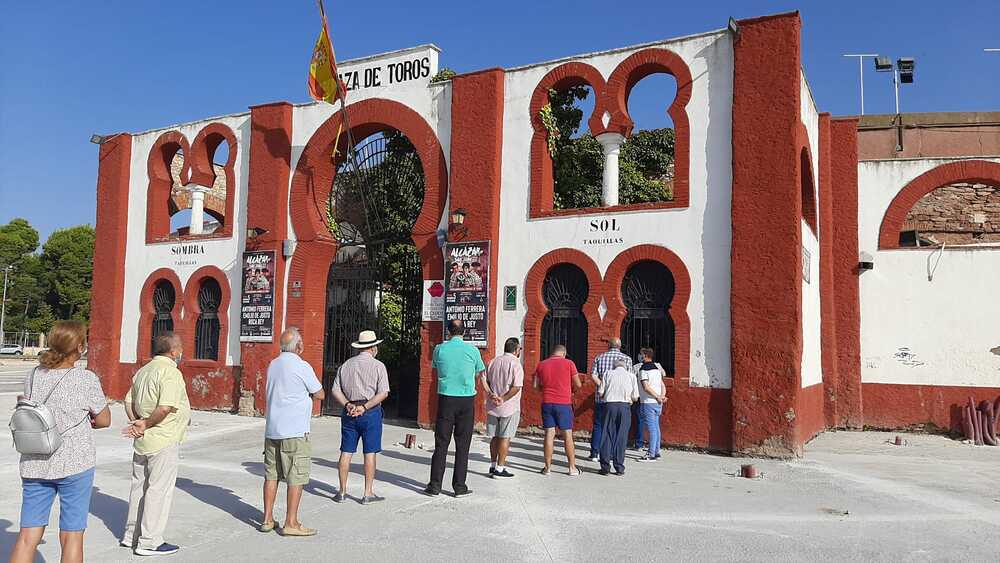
(594, 459)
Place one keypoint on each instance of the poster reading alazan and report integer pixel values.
(257, 306)
(467, 288)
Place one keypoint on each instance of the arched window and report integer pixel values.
(647, 290)
(206, 333)
(564, 292)
(164, 298)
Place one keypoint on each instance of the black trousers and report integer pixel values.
(615, 427)
(455, 417)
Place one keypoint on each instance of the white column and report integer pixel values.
(197, 208)
(612, 144)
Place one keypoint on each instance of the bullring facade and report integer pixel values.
(746, 278)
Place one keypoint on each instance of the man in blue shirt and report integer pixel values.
(292, 387)
(458, 364)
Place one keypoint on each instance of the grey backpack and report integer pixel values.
(33, 424)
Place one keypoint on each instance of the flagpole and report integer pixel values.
(342, 94)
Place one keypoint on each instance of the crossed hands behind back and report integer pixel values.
(135, 429)
(354, 410)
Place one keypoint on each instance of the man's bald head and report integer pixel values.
(614, 343)
(559, 351)
(291, 340)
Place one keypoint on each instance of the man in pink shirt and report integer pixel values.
(558, 379)
(503, 381)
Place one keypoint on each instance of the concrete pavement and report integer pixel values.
(853, 497)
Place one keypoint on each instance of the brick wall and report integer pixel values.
(215, 199)
(959, 213)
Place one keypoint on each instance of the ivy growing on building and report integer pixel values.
(646, 162)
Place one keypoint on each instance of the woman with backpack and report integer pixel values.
(53, 429)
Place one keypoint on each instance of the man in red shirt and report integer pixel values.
(558, 379)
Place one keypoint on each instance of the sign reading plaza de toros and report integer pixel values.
(404, 68)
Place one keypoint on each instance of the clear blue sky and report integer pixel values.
(69, 69)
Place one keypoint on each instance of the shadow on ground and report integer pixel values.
(112, 511)
(224, 499)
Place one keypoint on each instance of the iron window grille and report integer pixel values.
(164, 299)
(208, 327)
(564, 292)
(647, 290)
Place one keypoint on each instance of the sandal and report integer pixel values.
(301, 531)
(575, 472)
(546, 470)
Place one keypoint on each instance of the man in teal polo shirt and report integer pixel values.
(458, 364)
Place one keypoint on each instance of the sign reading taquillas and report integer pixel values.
(467, 288)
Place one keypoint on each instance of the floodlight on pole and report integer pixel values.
(861, 74)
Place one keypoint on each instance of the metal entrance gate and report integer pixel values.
(647, 290)
(376, 279)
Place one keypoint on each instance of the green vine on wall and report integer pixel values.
(549, 122)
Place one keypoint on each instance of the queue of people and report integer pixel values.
(159, 412)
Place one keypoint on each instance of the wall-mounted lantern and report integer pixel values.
(457, 226)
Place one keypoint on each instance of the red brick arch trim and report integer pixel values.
(192, 310)
(982, 171)
(626, 75)
(197, 169)
(160, 182)
(562, 77)
(617, 311)
(537, 309)
(316, 249)
(146, 310)
(203, 172)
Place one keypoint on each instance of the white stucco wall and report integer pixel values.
(141, 259)
(927, 317)
(812, 370)
(700, 234)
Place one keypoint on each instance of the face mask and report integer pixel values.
(178, 359)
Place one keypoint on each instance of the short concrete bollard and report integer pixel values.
(899, 440)
(748, 471)
(410, 440)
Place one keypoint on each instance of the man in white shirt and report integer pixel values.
(652, 396)
(618, 389)
(292, 387)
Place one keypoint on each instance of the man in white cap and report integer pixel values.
(362, 383)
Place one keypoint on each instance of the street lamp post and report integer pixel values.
(3, 303)
(861, 75)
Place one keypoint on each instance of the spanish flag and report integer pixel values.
(324, 85)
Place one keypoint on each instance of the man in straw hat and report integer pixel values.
(362, 383)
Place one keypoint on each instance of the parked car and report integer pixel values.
(11, 349)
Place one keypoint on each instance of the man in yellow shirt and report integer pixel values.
(160, 412)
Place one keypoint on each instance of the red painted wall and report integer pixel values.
(267, 208)
(766, 248)
(827, 295)
(477, 101)
(901, 406)
(844, 178)
(108, 288)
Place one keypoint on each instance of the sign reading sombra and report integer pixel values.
(467, 288)
(257, 306)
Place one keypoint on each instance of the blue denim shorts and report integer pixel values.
(367, 428)
(557, 416)
(74, 492)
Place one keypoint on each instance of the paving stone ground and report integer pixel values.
(853, 497)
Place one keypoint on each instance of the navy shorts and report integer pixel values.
(74, 501)
(557, 416)
(367, 428)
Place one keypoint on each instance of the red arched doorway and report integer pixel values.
(312, 183)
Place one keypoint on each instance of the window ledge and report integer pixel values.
(632, 207)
